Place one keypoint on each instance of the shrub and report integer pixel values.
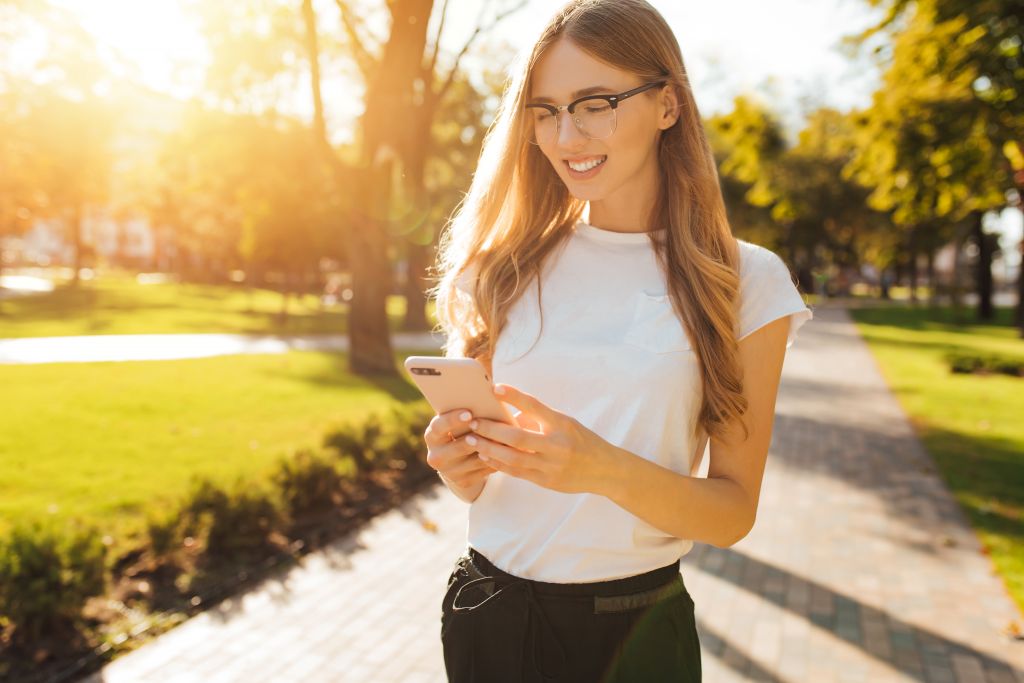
(46, 576)
(231, 522)
(359, 441)
(162, 531)
(376, 440)
(402, 438)
(970, 362)
(307, 483)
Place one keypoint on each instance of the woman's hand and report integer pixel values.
(450, 455)
(556, 451)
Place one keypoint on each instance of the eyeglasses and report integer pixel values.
(596, 119)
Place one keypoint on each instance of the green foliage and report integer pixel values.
(749, 140)
(46, 575)
(225, 522)
(308, 483)
(231, 523)
(402, 438)
(975, 362)
(250, 191)
(376, 439)
(986, 41)
(162, 531)
(929, 145)
(358, 440)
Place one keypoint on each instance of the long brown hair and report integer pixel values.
(518, 210)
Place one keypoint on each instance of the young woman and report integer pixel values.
(626, 340)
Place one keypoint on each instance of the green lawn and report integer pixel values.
(108, 441)
(972, 425)
(117, 304)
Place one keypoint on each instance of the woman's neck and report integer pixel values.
(629, 207)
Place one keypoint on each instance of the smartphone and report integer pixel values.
(452, 383)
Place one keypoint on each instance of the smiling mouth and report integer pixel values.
(586, 165)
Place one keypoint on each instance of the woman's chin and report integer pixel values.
(583, 191)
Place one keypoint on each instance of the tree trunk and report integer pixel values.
(420, 259)
(76, 241)
(932, 285)
(912, 273)
(420, 256)
(2, 312)
(983, 268)
(383, 131)
(286, 289)
(954, 286)
(1019, 319)
(369, 333)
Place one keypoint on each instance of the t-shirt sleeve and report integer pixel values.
(767, 293)
(466, 281)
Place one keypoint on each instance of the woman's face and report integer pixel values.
(629, 152)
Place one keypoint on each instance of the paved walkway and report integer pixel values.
(122, 347)
(860, 569)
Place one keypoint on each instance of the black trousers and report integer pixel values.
(498, 628)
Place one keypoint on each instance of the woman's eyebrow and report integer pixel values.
(593, 90)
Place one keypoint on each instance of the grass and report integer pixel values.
(117, 304)
(973, 425)
(107, 442)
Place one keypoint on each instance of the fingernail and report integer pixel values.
(474, 424)
(465, 417)
(471, 440)
(499, 389)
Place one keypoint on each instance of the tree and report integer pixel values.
(18, 200)
(394, 143)
(925, 145)
(954, 82)
(382, 130)
(73, 169)
(829, 219)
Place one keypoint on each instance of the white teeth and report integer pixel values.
(586, 166)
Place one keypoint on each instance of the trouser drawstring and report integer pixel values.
(536, 619)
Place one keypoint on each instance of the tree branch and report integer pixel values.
(365, 60)
(465, 48)
(437, 45)
(319, 122)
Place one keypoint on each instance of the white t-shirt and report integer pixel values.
(614, 356)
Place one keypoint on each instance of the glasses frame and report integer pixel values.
(612, 100)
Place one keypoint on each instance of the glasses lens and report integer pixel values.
(541, 126)
(595, 118)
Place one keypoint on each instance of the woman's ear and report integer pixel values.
(668, 103)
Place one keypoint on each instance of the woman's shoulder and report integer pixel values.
(768, 291)
(755, 258)
(758, 263)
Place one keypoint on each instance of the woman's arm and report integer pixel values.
(563, 455)
(721, 509)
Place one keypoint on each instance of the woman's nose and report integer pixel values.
(568, 133)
